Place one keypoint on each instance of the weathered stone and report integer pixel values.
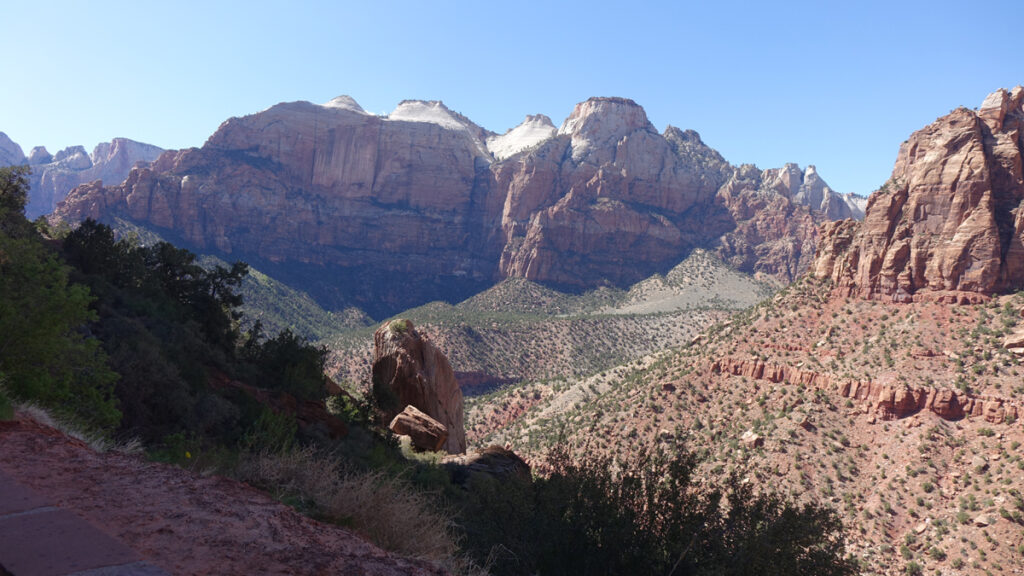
(495, 461)
(949, 225)
(752, 439)
(409, 370)
(426, 433)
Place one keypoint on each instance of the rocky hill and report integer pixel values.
(54, 175)
(388, 212)
(886, 382)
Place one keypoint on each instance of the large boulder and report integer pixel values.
(408, 370)
(494, 461)
(425, 433)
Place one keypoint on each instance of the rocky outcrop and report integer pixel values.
(949, 224)
(807, 188)
(408, 370)
(608, 185)
(53, 176)
(345, 202)
(769, 234)
(424, 432)
(494, 461)
(887, 396)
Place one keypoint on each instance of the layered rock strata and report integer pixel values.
(949, 224)
(887, 397)
(350, 204)
(53, 176)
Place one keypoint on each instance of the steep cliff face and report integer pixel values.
(10, 152)
(53, 176)
(374, 209)
(769, 233)
(807, 188)
(388, 212)
(607, 188)
(949, 223)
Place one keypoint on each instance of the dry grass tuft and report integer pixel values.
(97, 442)
(386, 510)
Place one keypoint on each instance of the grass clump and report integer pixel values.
(384, 509)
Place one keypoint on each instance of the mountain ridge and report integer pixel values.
(333, 193)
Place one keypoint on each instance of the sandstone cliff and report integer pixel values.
(352, 206)
(53, 176)
(949, 223)
(10, 152)
(606, 188)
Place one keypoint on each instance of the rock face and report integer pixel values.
(426, 433)
(54, 176)
(10, 152)
(606, 186)
(887, 396)
(349, 203)
(769, 234)
(408, 370)
(949, 224)
(807, 188)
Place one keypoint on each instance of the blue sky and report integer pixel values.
(836, 84)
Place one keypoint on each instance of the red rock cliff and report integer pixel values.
(950, 222)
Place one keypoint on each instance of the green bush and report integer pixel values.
(6, 408)
(645, 516)
(46, 357)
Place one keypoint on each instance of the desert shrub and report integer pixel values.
(45, 355)
(272, 432)
(595, 515)
(289, 363)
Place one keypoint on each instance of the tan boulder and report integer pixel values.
(426, 433)
(752, 439)
(1014, 341)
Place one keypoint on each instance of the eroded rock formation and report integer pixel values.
(424, 432)
(350, 203)
(408, 370)
(53, 176)
(949, 224)
(887, 396)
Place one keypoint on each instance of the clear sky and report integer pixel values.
(836, 84)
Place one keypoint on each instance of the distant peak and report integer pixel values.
(431, 111)
(688, 136)
(618, 113)
(532, 131)
(345, 102)
(599, 122)
(538, 119)
(998, 104)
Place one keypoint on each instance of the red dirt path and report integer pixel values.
(183, 522)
